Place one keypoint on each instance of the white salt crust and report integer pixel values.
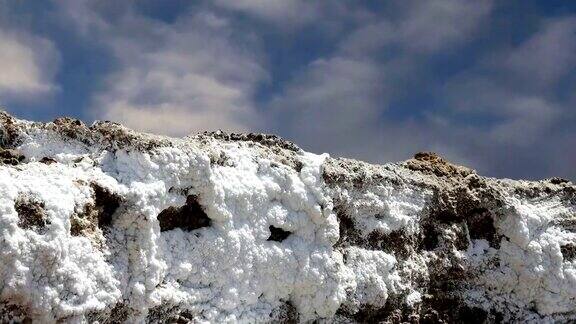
(229, 271)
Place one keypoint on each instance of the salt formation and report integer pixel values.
(102, 224)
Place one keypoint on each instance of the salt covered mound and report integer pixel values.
(103, 224)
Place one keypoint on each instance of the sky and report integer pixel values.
(487, 84)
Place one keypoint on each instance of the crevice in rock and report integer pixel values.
(189, 217)
(349, 234)
(568, 251)
(480, 223)
(277, 234)
(96, 217)
(429, 237)
(106, 203)
(398, 243)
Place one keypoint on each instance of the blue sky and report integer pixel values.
(487, 84)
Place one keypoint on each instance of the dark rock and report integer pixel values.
(31, 214)
(568, 251)
(106, 202)
(48, 160)
(11, 156)
(277, 234)
(189, 217)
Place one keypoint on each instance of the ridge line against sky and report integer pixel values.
(487, 84)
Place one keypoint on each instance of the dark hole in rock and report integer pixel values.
(10, 156)
(429, 237)
(568, 251)
(286, 314)
(447, 217)
(277, 234)
(470, 314)
(392, 312)
(188, 217)
(451, 312)
(445, 307)
(380, 241)
(47, 160)
(481, 226)
(298, 165)
(397, 243)
(106, 203)
(31, 214)
(349, 234)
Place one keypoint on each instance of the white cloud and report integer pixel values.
(432, 25)
(277, 11)
(198, 73)
(332, 105)
(512, 85)
(202, 69)
(418, 27)
(546, 56)
(516, 90)
(84, 15)
(197, 78)
(28, 65)
(290, 15)
(529, 117)
(339, 103)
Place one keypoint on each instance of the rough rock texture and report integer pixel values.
(102, 224)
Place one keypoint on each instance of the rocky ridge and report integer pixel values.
(103, 224)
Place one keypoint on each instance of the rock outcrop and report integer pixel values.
(103, 224)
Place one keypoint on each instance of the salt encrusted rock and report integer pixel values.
(102, 224)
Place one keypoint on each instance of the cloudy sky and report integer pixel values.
(489, 84)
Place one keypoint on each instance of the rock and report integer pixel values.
(48, 160)
(217, 227)
(11, 157)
